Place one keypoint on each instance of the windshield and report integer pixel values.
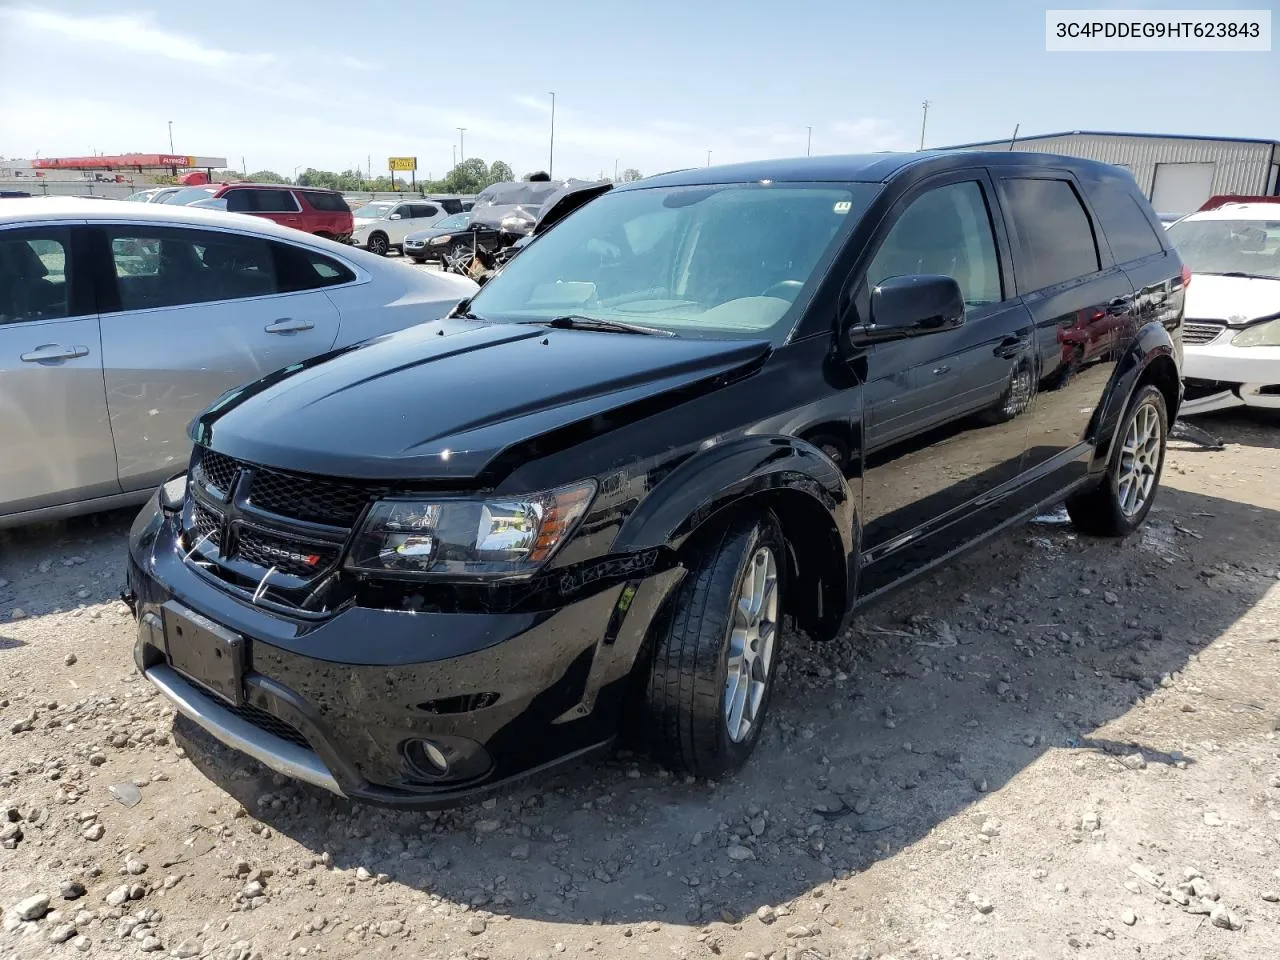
(1229, 246)
(732, 261)
(456, 222)
(373, 211)
(191, 194)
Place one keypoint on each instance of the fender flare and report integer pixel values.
(1152, 342)
(785, 472)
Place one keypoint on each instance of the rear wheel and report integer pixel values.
(378, 244)
(1119, 504)
(716, 656)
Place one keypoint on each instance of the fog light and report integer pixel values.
(426, 758)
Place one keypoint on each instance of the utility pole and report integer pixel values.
(171, 136)
(455, 155)
(615, 171)
(924, 120)
(708, 158)
(462, 144)
(243, 168)
(808, 149)
(551, 155)
(368, 167)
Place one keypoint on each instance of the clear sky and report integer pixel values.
(652, 84)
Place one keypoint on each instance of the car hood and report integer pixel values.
(1235, 300)
(458, 400)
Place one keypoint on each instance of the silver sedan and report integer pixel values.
(120, 322)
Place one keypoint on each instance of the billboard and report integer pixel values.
(405, 164)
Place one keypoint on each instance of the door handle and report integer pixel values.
(1119, 305)
(1010, 347)
(288, 325)
(941, 371)
(53, 352)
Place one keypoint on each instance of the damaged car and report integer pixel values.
(1232, 333)
(578, 510)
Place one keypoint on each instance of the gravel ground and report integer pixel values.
(1060, 747)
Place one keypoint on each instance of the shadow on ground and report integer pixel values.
(944, 691)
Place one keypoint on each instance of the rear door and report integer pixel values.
(1081, 303)
(53, 411)
(188, 314)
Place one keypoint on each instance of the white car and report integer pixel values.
(1231, 336)
(382, 225)
(120, 322)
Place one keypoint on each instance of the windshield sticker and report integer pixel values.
(843, 206)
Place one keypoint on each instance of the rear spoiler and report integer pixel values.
(1213, 203)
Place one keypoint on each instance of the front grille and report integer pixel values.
(289, 556)
(219, 470)
(206, 525)
(269, 723)
(1201, 331)
(318, 501)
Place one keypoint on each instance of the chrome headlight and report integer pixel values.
(489, 538)
(1265, 334)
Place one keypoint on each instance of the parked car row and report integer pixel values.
(580, 506)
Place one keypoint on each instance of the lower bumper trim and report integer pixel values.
(223, 725)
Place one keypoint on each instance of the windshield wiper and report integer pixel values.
(1245, 275)
(574, 321)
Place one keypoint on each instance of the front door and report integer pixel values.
(196, 312)
(53, 411)
(1081, 303)
(944, 420)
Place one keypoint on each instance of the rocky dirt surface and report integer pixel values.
(1058, 748)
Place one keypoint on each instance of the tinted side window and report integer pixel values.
(328, 202)
(426, 210)
(300, 269)
(946, 231)
(35, 277)
(274, 201)
(168, 267)
(1128, 228)
(1055, 239)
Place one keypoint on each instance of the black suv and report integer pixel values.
(581, 505)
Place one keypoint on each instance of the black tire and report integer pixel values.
(685, 721)
(418, 259)
(378, 244)
(1101, 510)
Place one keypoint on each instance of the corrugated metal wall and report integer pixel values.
(1240, 168)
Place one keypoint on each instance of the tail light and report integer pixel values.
(1186, 276)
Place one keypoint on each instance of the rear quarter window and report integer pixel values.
(328, 202)
(1124, 220)
(300, 269)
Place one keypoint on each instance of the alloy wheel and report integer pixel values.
(1139, 460)
(378, 245)
(751, 644)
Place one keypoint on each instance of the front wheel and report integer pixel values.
(1118, 505)
(716, 656)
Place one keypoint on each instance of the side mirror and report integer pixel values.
(394, 216)
(903, 307)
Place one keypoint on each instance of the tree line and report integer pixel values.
(470, 176)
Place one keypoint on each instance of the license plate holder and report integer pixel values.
(205, 652)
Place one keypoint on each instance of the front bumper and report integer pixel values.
(1242, 373)
(339, 702)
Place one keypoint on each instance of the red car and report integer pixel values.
(322, 212)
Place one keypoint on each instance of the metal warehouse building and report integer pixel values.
(1177, 173)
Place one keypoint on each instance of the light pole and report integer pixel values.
(924, 120)
(171, 136)
(615, 171)
(708, 158)
(808, 148)
(295, 173)
(551, 154)
(462, 143)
